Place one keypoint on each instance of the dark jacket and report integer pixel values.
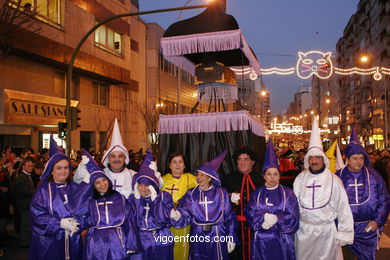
(24, 190)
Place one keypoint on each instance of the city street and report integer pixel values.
(139, 98)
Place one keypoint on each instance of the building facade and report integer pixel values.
(109, 75)
(365, 104)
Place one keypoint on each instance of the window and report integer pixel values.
(60, 88)
(46, 10)
(108, 39)
(100, 93)
(134, 45)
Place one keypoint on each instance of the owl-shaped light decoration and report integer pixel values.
(314, 63)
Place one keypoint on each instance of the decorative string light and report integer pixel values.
(316, 63)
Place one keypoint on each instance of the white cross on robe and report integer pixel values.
(266, 202)
(65, 199)
(206, 208)
(356, 190)
(106, 209)
(147, 208)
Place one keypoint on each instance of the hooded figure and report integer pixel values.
(152, 207)
(368, 198)
(114, 160)
(55, 229)
(272, 213)
(207, 208)
(331, 156)
(322, 199)
(112, 231)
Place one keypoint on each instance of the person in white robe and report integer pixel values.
(326, 222)
(114, 160)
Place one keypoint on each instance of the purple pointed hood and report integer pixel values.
(355, 147)
(210, 168)
(271, 159)
(94, 170)
(55, 155)
(146, 174)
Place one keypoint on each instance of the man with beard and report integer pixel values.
(114, 160)
(322, 199)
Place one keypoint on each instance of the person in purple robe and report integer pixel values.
(368, 198)
(207, 208)
(55, 230)
(273, 214)
(112, 231)
(152, 207)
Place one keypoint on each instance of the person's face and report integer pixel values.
(203, 179)
(101, 185)
(356, 162)
(116, 160)
(144, 190)
(316, 162)
(28, 167)
(177, 165)
(271, 177)
(60, 171)
(245, 164)
(301, 155)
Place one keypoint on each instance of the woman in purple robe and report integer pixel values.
(368, 198)
(273, 214)
(207, 208)
(152, 207)
(55, 231)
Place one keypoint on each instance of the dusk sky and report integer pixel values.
(276, 30)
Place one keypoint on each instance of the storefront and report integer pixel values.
(27, 119)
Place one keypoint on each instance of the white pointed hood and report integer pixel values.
(315, 145)
(115, 145)
(339, 159)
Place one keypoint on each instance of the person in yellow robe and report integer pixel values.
(177, 183)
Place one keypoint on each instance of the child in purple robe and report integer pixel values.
(152, 207)
(112, 232)
(273, 214)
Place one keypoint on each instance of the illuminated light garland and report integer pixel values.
(315, 63)
(276, 69)
(277, 72)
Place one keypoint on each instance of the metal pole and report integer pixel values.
(85, 37)
(178, 109)
(386, 104)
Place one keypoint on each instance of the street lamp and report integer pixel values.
(327, 101)
(364, 58)
(80, 44)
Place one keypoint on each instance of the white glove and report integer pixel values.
(153, 193)
(137, 195)
(69, 224)
(175, 214)
(339, 242)
(265, 225)
(231, 246)
(84, 159)
(153, 166)
(368, 228)
(128, 252)
(271, 219)
(235, 197)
